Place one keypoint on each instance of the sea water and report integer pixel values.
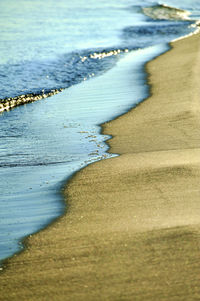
(96, 52)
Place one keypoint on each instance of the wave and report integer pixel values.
(30, 77)
(34, 80)
(165, 12)
(156, 32)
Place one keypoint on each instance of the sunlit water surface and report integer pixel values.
(48, 45)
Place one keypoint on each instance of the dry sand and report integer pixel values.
(132, 231)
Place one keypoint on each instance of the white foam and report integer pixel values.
(197, 24)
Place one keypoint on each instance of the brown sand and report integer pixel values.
(132, 231)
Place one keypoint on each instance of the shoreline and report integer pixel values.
(120, 249)
(79, 107)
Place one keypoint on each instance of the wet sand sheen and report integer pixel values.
(132, 229)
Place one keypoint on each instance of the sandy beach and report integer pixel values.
(132, 229)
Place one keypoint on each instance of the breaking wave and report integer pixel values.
(165, 12)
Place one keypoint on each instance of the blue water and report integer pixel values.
(96, 51)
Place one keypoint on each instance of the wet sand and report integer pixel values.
(132, 229)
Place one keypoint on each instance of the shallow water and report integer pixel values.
(58, 140)
(46, 46)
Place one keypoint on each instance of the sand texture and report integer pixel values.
(132, 229)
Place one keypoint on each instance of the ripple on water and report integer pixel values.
(56, 137)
